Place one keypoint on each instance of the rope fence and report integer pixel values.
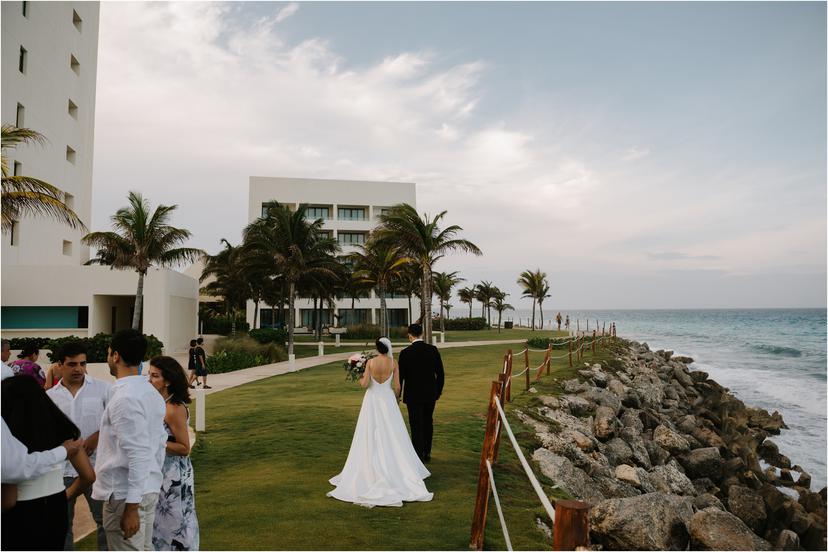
(569, 518)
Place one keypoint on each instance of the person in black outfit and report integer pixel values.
(422, 378)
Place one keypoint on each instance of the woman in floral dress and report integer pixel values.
(176, 524)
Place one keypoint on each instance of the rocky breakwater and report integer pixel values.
(670, 460)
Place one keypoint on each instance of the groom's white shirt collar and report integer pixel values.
(416, 340)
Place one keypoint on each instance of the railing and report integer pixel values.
(569, 518)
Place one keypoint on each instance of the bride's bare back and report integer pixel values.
(381, 368)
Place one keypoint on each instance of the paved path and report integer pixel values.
(83, 523)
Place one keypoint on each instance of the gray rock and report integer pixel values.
(636, 444)
(603, 397)
(683, 359)
(569, 478)
(658, 456)
(787, 540)
(670, 440)
(567, 421)
(703, 462)
(687, 424)
(613, 488)
(649, 388)
(627, 474)
(748, 506)
(707, 500)
(630, 418)
(670, 479)
(652, 521)
(574, 386)
(605, 423)
(617, 451)
(578, 406)
(682, 376)
(713, 529)
(617, 388)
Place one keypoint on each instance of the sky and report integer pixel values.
(643, 155)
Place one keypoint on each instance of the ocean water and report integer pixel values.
(771, 358)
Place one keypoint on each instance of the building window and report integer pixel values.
(67, 248)
(14, 237)
(351, 213)
(378, 211)
(20, 117)
(70, 154)
(76, 20)
(351, 238)
(314, 213)
(73, 109)
(18, 168)
(265, 206)
(69, 200)
(308, 318)
(25, 9)
(328, 234)
(74, 64)
(21, 64)
(350, 317)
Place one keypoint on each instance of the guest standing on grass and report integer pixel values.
(192, 362)
(130, 448)
(38, 520)
(83, 399)
(201, 364)
(176, 524)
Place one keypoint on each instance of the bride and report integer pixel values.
(382, 468)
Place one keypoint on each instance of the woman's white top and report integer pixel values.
(47, 484)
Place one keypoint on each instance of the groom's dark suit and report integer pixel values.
(421, 377)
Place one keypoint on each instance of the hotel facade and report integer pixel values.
(349, 209)
(49, 74)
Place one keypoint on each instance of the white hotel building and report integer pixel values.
(49, 70)
(350, 210)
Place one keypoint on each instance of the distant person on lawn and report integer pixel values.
(192, 362)
(201, 364)
(130, 448)
(83, 399)
(559, 319)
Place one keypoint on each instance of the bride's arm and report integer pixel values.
(366, 375)
(396, 382)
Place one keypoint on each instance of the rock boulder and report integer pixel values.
(713, 529)
(653, 521)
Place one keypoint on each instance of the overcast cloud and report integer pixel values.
(640, 162)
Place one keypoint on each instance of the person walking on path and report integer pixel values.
(130, 448)
(83, 399)
(559, 319)
(422, 379)
(566, 324)
(176, 525)
(201, 362)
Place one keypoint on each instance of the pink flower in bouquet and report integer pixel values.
(353, 359)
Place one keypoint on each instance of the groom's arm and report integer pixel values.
(438, 370)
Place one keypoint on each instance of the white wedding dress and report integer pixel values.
(382, 468)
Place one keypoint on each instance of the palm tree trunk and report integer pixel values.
(139, 303)
(426, 302)
(533, 315)
(540, 308)
(470, 312)
(442, 317)
(383, 311)
(499, 316)
(410, 317)
(255, 314)
(291, 298)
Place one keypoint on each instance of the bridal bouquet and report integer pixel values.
(355, 365)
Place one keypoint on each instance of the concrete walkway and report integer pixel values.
(83, 523)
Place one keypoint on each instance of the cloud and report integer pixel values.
(676, 256)
(635, 153)
(287, 11)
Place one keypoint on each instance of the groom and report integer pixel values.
(421, 377)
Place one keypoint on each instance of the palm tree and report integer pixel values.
(467, 295)
(484, 295)
(532, 284)
(142, 239)
(543, 293)
(421, 239)
(378, 263)
(409, 284)
(230, 281)
(443, 283)
(499, 304)
(297, 247)
(27, 196)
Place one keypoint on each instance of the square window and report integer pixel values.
(76, 20)
(69, 200)
(21, 63)
(18, 168)
(14, 234)
(25, 9)
(74, 64)
(73, 109)
(70, 154)
(20, 118)
(67, 247)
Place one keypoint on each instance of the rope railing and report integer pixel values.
(569, 518)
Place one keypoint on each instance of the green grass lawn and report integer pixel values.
(262, 468)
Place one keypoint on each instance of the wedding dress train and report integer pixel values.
(382, 468)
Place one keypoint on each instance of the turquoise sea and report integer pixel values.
(771, 358)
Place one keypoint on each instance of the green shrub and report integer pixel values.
(269, 335)
(372, 332)
(463, 324)
(223, 325)
(242, 352)
(96, 346)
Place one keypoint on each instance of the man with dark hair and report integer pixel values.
(422, 378)
(131, 444)
(6, 353)
(83, 399)
(201, 362)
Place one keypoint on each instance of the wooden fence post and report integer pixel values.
(594, 335)
(571, 528)
(507, 395)
(481, 503)
(570, 352)
(526, 373)
(501, 395)
(548, 359)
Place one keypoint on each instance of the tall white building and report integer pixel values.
(350, 210)
(49, 70)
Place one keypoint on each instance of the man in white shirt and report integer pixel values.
(130, 448)
(7, 371)
(82, 399)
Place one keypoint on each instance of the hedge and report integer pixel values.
(96, 347)
(370, 331)
(223, 325)
(463, 324)
(269, 335)
(231, 354)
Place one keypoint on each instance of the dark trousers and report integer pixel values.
(422, 427)
(38, 524)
